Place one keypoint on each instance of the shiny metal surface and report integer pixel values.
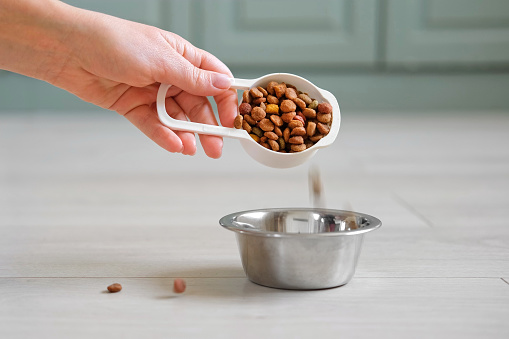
(299, 248)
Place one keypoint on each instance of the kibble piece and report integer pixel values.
(311, 128)
(249, 119)
(325, 107)
(288, 106)
(280, 90)
(323, 128)
(271, 135)
(246, 126)
(255, 137)
(315, 138)
(300, 103)
(295, 123)
(256, 130)
(324, 117)
(309, 113)
(263, 106)
(298, 148)
(274, 145)
(258, 101)
(286, 134)
(276, 119)
(179, 285)
(246, 97)
(287, 117)
(300, 117)
(237, 123)
(264, 144)
(261, 89)
(278, 131)
(290, 93)
(270, 87)
(282, 143)
(296, 140)
(257, 113)
(272, 109)
(304, 97)
(114, 288)
(313, 104)
(298, 131)
(351, 222)
(263, 139)
(244, 108)
(266, 125)
(255, 92)
(272, 100)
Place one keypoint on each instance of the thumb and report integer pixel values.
(194, 80)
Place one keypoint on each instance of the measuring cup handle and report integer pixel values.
(241, 83)
(181, 125)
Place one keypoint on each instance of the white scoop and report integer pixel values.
(256, 151)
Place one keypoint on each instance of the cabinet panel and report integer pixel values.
(284, 32)
(447, 31)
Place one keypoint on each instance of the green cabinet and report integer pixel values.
(447, 32)
(374, 54)
(315, 33)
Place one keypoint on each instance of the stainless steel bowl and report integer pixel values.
(299, 248)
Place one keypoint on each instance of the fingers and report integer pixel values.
(188, 139)
(133, 97)
(199, 110)
(192, 79)
(138, 107)
(227, 107)
(192, 69)
(145, 120)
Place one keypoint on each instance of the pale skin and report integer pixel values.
(118, 65)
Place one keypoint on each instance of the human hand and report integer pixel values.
(118, 65)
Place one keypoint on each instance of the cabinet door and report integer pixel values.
(468, 32)
(289, 32)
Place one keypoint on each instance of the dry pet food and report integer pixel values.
(179, 285)
(114, 288)
(282, 118)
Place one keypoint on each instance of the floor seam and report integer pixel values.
(242, 277)
(412, 210)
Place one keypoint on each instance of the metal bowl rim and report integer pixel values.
(227, 222)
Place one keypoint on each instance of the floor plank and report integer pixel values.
(162, 200)
(196, 250)
(225, 307)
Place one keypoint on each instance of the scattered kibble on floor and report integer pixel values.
(179, 285)
(114, 288)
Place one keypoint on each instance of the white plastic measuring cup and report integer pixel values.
(256, 151)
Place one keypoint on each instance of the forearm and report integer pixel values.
(33, 37)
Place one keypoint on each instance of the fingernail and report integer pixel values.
(221, 81)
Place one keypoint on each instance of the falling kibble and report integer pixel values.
(179, 285)
(316, 188)
(114, 288)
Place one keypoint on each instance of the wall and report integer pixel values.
(372, 54)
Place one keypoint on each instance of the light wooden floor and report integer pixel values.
(87, 200)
